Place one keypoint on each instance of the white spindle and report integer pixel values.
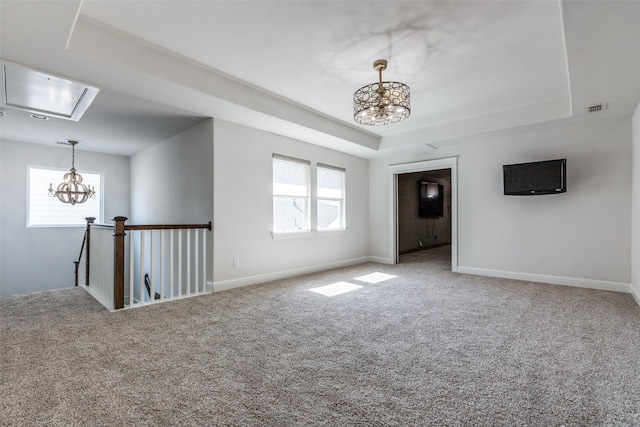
(188, 262)
(132, 274)
(196, 286)
(142, 266)
(179, 263)
(162, 233)
(151, 270)
(171, 260)
(204, 260)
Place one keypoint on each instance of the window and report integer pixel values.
(290, 194)
(45, 211)
(330, 207)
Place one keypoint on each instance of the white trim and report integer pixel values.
(380, 260)
(422, 166)
(602, 285)
(224, 285)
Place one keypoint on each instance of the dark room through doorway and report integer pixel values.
(423, 211)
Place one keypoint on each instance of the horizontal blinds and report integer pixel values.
(291, 159)
(322, 165)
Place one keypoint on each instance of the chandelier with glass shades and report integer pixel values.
(381, 103)
(71, 190)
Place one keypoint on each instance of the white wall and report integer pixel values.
(174, 179)
(635, 236)
(581, 237)
(243, 209)
(41, 258)
(174, 182)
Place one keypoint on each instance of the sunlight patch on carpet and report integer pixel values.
(334, 289)
(375, 277)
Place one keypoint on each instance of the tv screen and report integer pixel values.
(535, 178)
(431, 204)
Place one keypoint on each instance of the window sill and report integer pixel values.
(282, 235)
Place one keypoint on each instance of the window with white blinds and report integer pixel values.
(330, 198)
(290, 194)
(45, 211)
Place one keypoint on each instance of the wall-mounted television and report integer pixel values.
(535, 178)
(431, 203)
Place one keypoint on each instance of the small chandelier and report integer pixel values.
(381, 103)
(72, 190)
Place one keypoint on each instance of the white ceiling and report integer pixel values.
(291, 67)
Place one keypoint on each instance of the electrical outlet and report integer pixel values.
(236, 262)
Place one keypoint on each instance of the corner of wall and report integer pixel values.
(635, 207)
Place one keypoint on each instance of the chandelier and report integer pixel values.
(381, 103)
(71, 190)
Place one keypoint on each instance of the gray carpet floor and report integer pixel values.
(423, 347)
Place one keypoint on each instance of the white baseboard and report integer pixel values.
(380, 260)
(223, 285)
(636, 294)
(602, 285)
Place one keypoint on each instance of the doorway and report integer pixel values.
(443, 170)
(424, 210)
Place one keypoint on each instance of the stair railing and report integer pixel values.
(169, 261)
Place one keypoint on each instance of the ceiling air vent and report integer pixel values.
(44, 94)
(419, 148)
(597, 107)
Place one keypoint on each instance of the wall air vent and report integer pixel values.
(40, 93)
(597, 107)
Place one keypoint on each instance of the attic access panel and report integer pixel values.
(37, 92)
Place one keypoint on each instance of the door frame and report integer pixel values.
(424, 166)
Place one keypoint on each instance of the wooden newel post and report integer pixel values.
(90, 220)
(118, 262)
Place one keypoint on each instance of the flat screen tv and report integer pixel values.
(535, 178)
(431, 200)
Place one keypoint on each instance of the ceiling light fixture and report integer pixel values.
(381, 103)
(71, 190)
(44, 94)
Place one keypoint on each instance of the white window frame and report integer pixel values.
(342, 199)
(306, 230)
(57, 175)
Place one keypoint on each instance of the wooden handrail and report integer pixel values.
(168, 226)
